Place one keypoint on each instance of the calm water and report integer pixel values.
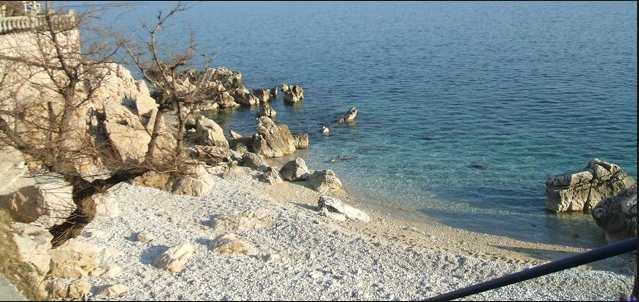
(464, 108)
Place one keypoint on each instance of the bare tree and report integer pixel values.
(178, 88)
(48, 79)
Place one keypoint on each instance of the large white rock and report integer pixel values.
(50, 197)
(33, 243)
(333, 204)
(582, 190)
(74, 259)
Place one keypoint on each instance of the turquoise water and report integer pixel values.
(464, 108)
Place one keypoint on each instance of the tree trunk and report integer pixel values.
(82, 195)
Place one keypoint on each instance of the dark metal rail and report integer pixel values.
(607, 251)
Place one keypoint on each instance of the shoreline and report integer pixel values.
(306, 256)
(470, 243)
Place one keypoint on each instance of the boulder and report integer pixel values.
(263, 95)
(295, 170)
(33, 243)
(324, 180)
(617, 215)
(209, 133)
(329, 205)
(48, 201)
(244, 221)
(212, 155)
(582, 190)
(112, 290)
(266, 110)
(254, 161)
(272, 140)
(349, 117)
(271, 176)
(74, 259)
(174, 259)
(198, 182)
(301, 141)
(292, 94)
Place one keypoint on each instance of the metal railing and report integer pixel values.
(608, 251)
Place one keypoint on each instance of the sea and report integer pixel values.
(464, 108)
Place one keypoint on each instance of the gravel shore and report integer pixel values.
(302, 255)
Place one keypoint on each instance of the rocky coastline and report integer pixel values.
(244, 226)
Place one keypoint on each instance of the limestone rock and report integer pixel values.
(247, 220)
(229, 244)
(335, 205)
(267, 110)
(582, 190)
(33, 243)
(174, 259)
(295, 170)
(74, 259)
(617, 215)
(301, 141)
(50, 197)
(271, 176)
(112, 290)
(212, 155)
(272, 140)
(72, 290)
(324, 180)
(263, 95)
(349, 117)
(209, 133)
(106, 206)
(292, 94)
(254, 161)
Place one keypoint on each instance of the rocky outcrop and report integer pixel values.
(129, 116)
(292, 94)
(617, 215)
(582, 190)
(272, 140)
(349, 117)
(266, 110)
(301, 141)
(263, 95)
(232, 83)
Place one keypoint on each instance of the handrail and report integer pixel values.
(607, 251)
